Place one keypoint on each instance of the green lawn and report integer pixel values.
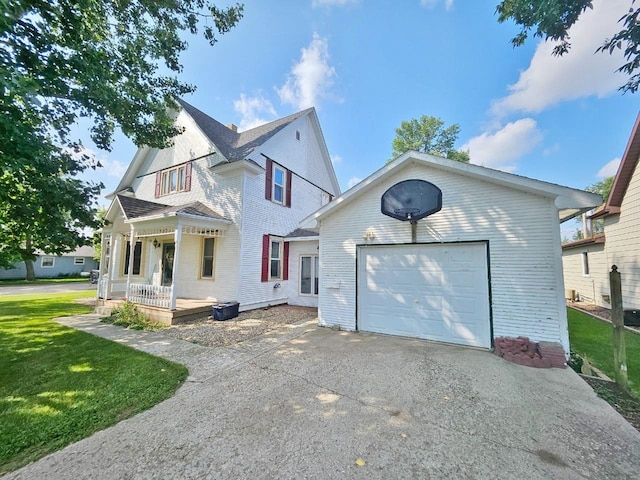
(59, 385)
(591, 338)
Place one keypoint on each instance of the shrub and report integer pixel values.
(128, 315)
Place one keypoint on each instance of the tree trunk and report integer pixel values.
(28, 259)
(31, 274)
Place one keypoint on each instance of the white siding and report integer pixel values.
(589, 288)
(297, 250)
(623, 242)
(524, 260)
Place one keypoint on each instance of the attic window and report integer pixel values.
(173, 180)
(297, 134)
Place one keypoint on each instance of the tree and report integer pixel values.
(552, 19)
(428, 135)
(602, 188)
(112, 62)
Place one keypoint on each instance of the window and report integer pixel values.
(47, 262)
(275, 264)
(277, 184)
(207, 258)
(275, 259)
(107, 256)
(585, 264)
(297, 134)
(137, 258)
(309, 267)
(78, 260)
(173, 180)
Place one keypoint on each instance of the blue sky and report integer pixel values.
(367, 65)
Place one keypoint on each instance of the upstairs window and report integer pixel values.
(173, 180)
(278, 183)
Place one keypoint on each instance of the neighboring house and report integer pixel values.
(215, 216)
(80, 261)
(587, 262)
(488, 264)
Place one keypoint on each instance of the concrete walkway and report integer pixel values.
(308, 402)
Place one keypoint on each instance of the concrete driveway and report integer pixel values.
(307, 402)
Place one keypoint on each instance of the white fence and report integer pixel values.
(152, 295)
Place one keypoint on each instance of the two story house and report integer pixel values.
(215, 217)
(587, 262)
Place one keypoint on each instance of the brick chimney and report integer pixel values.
(232, 127)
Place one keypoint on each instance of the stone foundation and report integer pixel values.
(523, 351)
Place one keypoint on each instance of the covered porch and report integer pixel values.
(162, 259)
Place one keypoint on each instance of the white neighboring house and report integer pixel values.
(215, 217)
(587, 262)
(488, 264)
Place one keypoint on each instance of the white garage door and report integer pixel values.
(437, 292)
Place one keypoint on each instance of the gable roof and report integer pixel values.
(237, 145)
(134, 208)
(623, 175)
(569, 201)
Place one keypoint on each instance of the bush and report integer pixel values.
(575, 361)
(128, 315)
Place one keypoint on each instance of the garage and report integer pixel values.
(431, 291)
(432, 248)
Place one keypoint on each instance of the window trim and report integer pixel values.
(279, 259)
(125, 263)
(183, 180)
(283, 186)
(53, 261)
(78, 260)
(315, 275)
(213, 258)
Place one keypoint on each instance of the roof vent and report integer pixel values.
(232, 127)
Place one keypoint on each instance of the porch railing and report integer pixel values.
(103, 285)
(152, 295)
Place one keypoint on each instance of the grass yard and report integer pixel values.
(59, 385)
(591, 338)
(10, 282)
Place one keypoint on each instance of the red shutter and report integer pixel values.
(268, 180)
(187, 177)
(288, 189)
(265, 257)
(158, 181)
(285, 261)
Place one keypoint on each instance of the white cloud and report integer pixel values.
(336, 159)
(501, 148)
(579, 73)
(251, 110)
(432, 3)
(610, 169)
(353, 181)
(332, 3)
(113, 168)
(311, 78)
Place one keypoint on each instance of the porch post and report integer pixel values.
(103, 253)
(132, 246)
(176, 255)
(116, 242)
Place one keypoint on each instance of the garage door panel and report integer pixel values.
(437, 292)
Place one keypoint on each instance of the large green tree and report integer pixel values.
(552, 19)
(112, 62)
(428, 135)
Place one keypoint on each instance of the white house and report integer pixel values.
(587, 262)
(215, 217)
(488, 264)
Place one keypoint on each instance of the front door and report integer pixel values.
(168, 251)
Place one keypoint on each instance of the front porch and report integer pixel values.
(187, 310)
